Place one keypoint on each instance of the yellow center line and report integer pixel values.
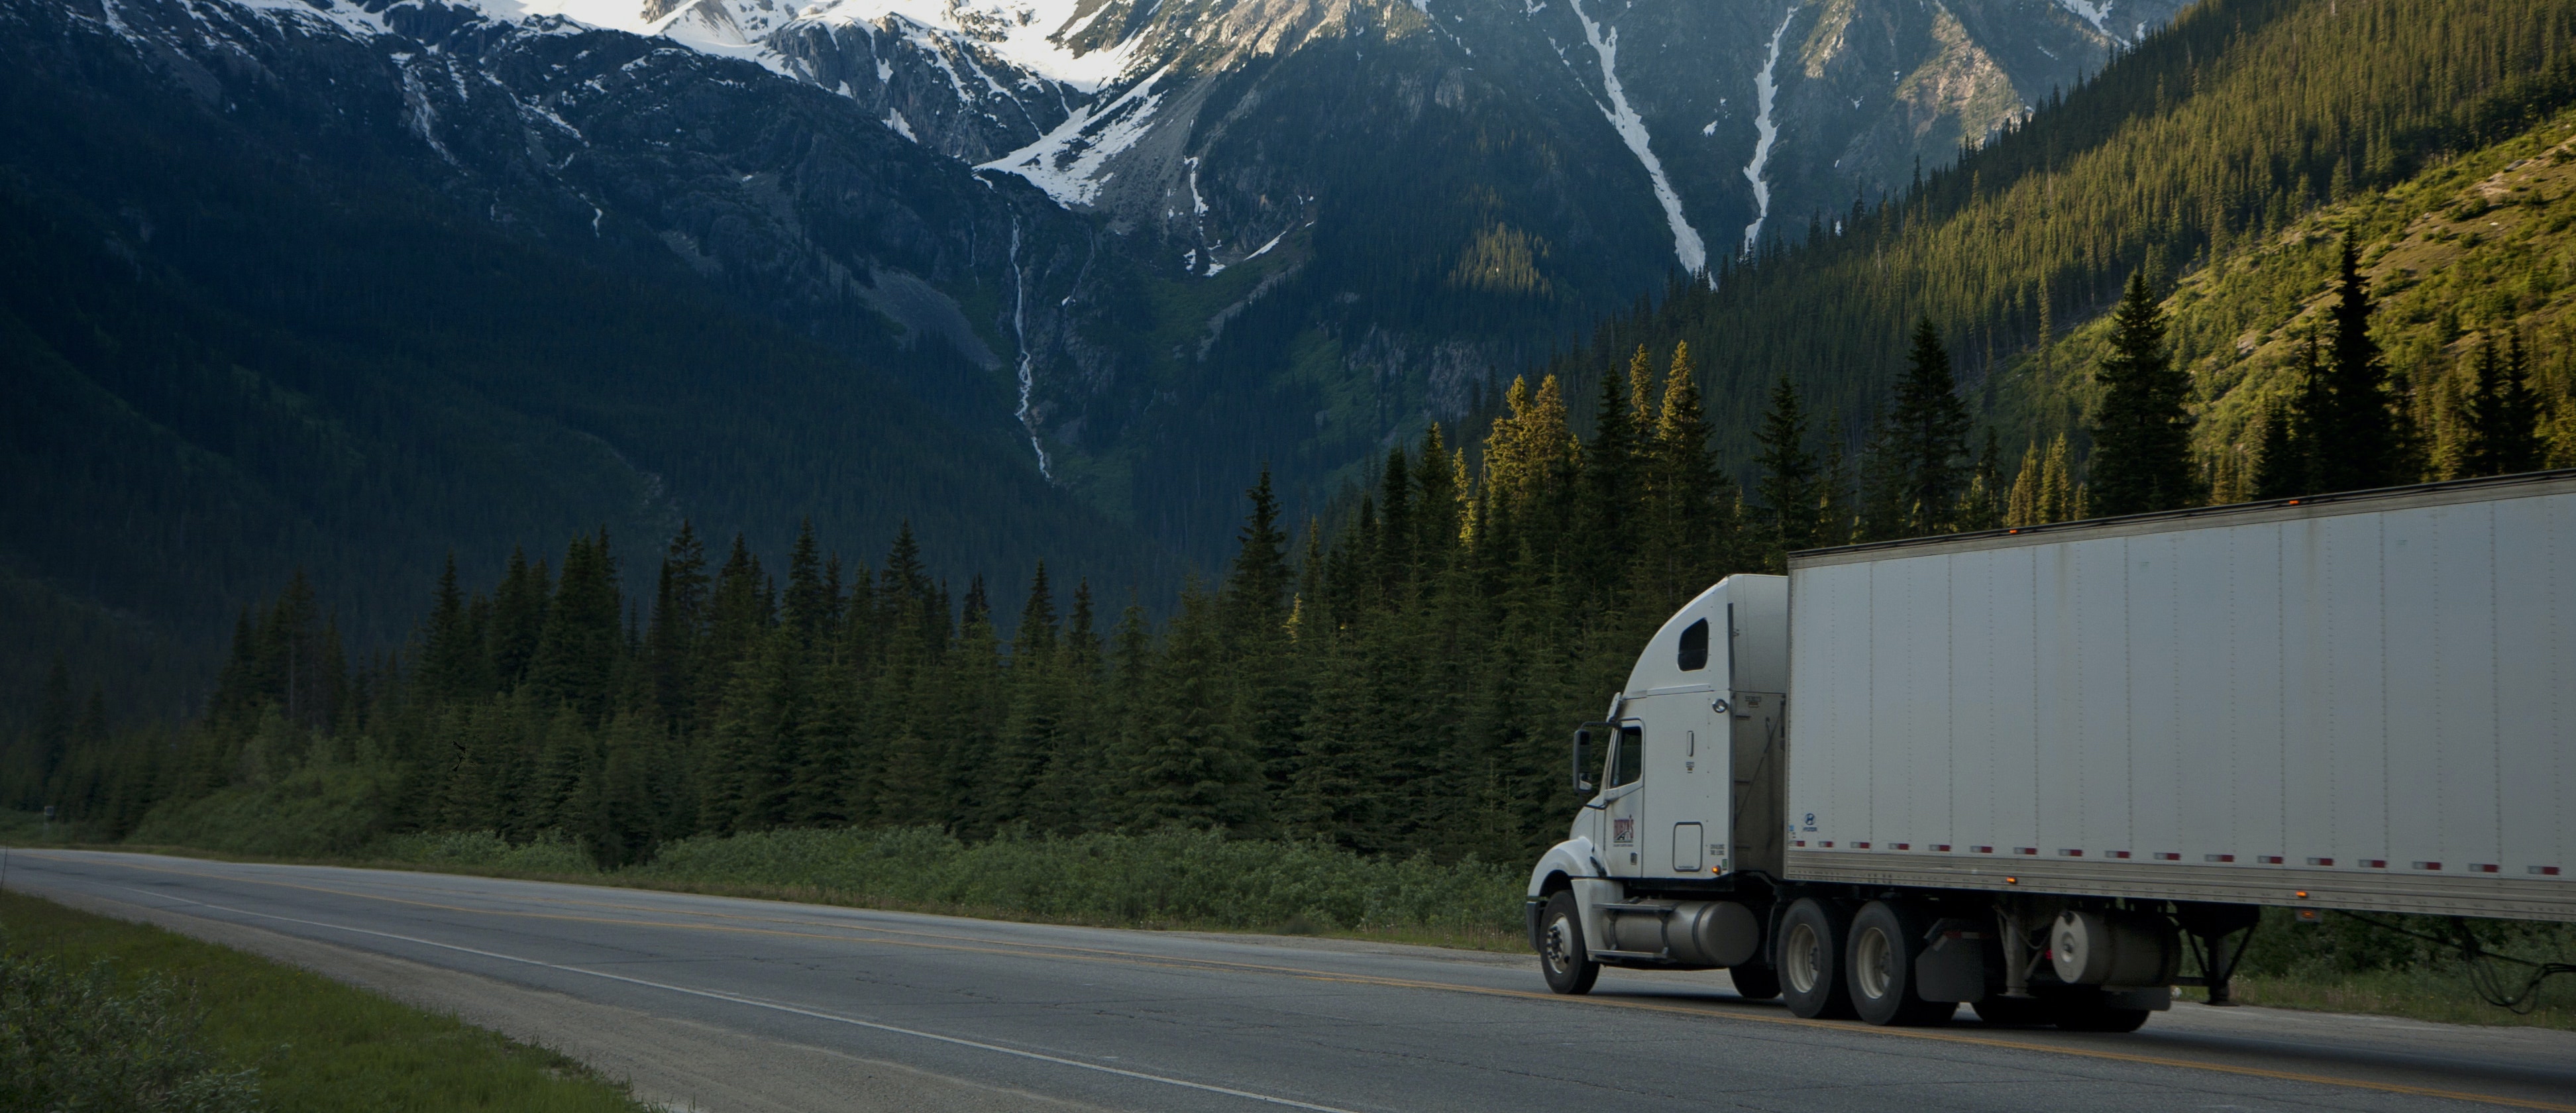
(1130, 958)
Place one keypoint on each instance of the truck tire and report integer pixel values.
(2084, 1011)
(1810, 963)
(1562, 955)
(1755, 983)
(1879, 968)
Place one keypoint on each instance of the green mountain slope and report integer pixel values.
(2231, 127)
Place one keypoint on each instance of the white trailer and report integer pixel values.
(2020, 768)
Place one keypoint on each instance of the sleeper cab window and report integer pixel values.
(1694, 655)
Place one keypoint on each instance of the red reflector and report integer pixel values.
(1856, 846)
(2375, 863)
(1943, 847)
(1828, 842)
(2025, 850)
(2320, 861)
(2218, 857)
(1983, 849)
(2428, 865)
(2119, 854)
(2070, 853)
(1798, 842)
(2168, 856)
(2483, 867)
(2545, 871)
(1899, 846)
(2269, 859)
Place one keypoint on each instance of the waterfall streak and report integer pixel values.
(1020, 332)
(1767, 90)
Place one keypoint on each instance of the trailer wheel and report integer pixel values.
(1755, 983)
(1885, 941)
(1562, 955)
(2085, 1012)
(1811, 959)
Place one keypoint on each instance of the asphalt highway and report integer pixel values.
(894, 1010)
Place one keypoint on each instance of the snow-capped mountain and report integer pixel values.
(1159, 242)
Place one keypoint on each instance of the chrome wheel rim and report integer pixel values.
(1870, 961)
(1800, 960)
(1559, 948)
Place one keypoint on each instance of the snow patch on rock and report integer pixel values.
(1687, 246)
(1766, 89)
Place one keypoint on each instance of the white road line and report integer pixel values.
(755, 1002)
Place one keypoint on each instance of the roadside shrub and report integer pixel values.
(73, 1041)
(1175, 876)
(551, 852)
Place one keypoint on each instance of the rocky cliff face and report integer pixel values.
(1162, 241)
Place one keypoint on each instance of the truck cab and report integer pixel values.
(1686, 771)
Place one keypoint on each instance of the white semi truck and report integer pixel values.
(2023, 769)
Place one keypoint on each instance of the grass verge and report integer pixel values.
(315, 1045)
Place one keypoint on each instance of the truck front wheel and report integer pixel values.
(1812, 936)
(1562, 955)
(1885, 942)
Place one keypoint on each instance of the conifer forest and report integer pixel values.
(2268, 251)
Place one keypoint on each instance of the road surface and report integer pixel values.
(743, 1006)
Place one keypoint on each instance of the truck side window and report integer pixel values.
(1695, 646)
(1630, 758)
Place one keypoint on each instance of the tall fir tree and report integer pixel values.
(2141, 430)
(2500, 428)
(2359, 437)
(1787, 491)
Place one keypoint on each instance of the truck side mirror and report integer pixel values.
(1582, 756)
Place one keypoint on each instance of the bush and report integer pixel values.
(73, 1042)
(319, 810)
(550, 853)
(1171, 877)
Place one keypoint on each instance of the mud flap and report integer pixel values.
(1952, 966)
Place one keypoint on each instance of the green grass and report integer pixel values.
(2419, 994)
(315, 1044)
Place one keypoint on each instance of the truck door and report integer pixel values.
(1623, 802)
(1685, 784)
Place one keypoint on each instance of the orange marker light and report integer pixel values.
(2303, 894)
(2012, 881)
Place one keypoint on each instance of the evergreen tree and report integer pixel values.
(518, 617)
(2141, 432)
(672, 644)
(2500, 430)
(1926, 437)
(1256, 587)
(579, 646)
(1788, 488)
(2359, 440)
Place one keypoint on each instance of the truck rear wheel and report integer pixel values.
(1885, 941)
(1812, 936)
(1562, 955)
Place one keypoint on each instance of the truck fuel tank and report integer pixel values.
(1688, 933)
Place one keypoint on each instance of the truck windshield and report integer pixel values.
(1629, 757)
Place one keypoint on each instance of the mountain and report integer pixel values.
(1428, 195)
(347, 284)
(351, 291)
(2224, 156)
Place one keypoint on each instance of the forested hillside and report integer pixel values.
(2243, 122)
(1399, 687)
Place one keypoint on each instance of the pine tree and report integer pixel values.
(2500, 430)
(1788, 488)
(1927, 435)
(2141, 432)
(672, 644)
(518, 618)
(1257, 584)
(579, 645)
(2359, 440)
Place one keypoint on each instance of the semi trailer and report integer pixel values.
(2024, 769)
